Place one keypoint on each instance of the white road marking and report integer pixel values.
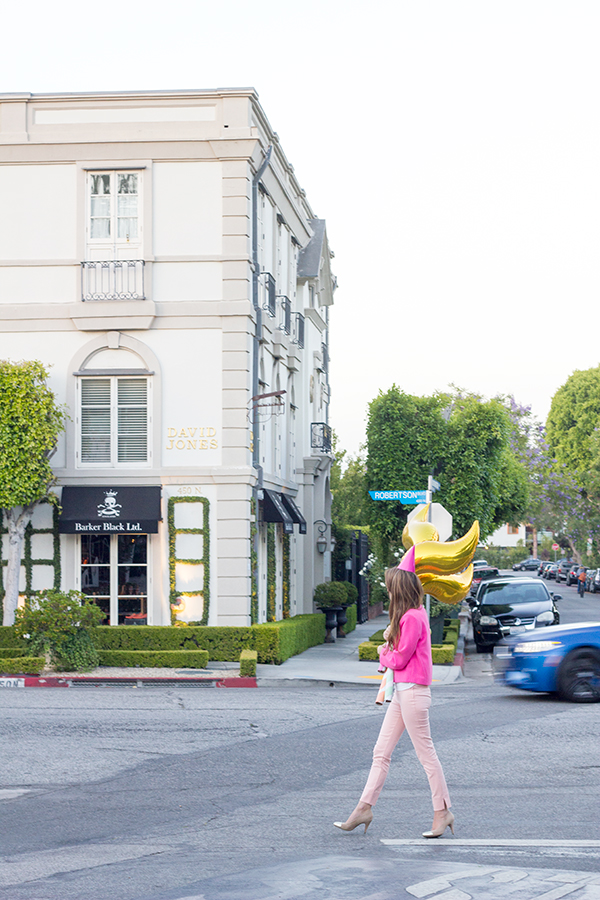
(484, 842)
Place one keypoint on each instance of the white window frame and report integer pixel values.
(114, 463)
(114, 577)
(114, 246)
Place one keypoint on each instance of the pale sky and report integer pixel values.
(452, 147)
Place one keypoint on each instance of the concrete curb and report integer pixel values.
(20, 681)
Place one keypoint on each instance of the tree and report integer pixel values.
(30, 422)
(347, 484)
(573, 423)
(461, 438)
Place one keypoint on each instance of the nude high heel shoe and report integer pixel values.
(447, 823)
(363, 819)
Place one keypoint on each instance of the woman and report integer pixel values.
(407, 652)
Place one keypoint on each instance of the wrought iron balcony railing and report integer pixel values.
(112, 279)
(298, 335)
(320, 436)
(269, 302)
(285, 314)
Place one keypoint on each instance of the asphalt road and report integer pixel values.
(208, 794)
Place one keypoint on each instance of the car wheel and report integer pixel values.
(579, 677)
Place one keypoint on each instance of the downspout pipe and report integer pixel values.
(257, 310)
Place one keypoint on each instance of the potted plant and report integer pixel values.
(329, 598)
(351, 597)
(437, 614)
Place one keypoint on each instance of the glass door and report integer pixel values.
(114, 573)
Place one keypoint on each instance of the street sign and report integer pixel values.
(435, 485)
(555, 547)
(402, 496)
(440, 517)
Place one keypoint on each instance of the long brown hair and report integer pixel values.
(405, 592)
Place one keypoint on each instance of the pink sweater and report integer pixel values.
(411, 657)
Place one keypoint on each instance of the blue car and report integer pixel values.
(562, 659)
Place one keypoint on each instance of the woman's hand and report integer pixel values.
(386, 633)
(381, 648)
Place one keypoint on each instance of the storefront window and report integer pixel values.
(114, 572)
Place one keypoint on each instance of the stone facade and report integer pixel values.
(158, 253)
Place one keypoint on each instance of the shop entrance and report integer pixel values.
(114, 573)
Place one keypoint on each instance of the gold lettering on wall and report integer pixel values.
(188, 438)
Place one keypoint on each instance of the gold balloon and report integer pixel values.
(447, 588)
(419, 529)
(437, 558)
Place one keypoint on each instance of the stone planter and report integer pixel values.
(437, 629)
(342, 618)
(375, 609)
(331, 621)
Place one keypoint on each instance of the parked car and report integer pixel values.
(527, 565)
(543, 566)
(563, 659)
(550, 572)
(480, 562)
(507, 606)
(564, 566)
(593, 581)
(573, 574)
(482, 573)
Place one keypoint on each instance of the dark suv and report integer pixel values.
(564, 565)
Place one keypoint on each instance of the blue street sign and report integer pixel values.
(402, 496)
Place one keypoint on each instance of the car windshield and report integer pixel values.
(513, 593)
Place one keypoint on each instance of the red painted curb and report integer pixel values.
(33, 681)
(237, 682)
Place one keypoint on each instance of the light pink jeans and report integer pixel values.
(408, 709)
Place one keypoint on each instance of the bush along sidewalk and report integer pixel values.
(442, 654)
(52, 629)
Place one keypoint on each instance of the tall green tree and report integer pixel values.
(30, 422)
(463, 439)
(573, 423)
(347, 484)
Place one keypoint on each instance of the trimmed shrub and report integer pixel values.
(22, 665)
(351, 591)
(8, 637)
(377, 637)
(274, 641)
(367, 651)
(12, 652)
(248, 660)
(172, 659)
(330, 594)
(351, 613)
(443, 654)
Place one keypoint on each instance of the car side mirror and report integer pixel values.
(472, 602)
(556, 597)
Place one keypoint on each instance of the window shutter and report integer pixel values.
(95, 420)
(132, 417)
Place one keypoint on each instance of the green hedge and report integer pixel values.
(12, 652)
(22, 665)
(351, 613)
(248, 660)
(368, 651)
(377, 637)
(8, 638)
(441, 654)
(172, 659)
(274, 641)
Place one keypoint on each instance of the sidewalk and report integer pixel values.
(339, 664)
(326, 664)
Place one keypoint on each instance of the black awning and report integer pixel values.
(294, 512)
(110, 510)
(275, 511)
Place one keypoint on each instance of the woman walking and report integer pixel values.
(407, 652)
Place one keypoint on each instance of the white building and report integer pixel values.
(158, 252)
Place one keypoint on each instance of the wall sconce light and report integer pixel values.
(322, 541)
